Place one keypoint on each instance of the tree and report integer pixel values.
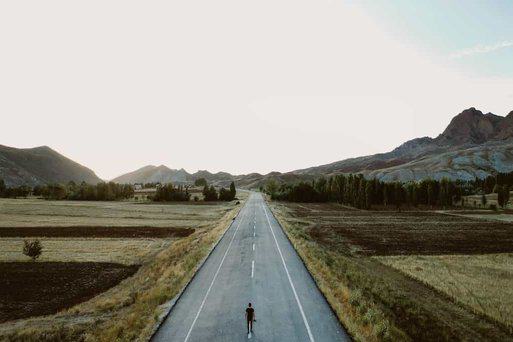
(233, 191)
(200, 182)
(369, 195)
(32, 249)
(209, 193)
(225, 195)
(483, 200)
(2, 187)
(271, 187)
(502, 195)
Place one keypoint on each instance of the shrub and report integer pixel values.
(200, 182)
(32, 249)
(355, 297)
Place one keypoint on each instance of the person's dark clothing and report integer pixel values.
(250, 314)
(250, 317)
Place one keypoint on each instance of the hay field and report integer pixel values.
(123, 251)
(36, 212)
(483, 282)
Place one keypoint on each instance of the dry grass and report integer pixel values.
(483, 282)
(376, 302)
(36, 212)
(126, 312)
(123, 251)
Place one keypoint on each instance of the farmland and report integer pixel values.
(103, 264)
(483, 282)
(399, 275)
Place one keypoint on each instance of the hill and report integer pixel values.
(473, 145)
(154, 174)
(40, 165)
(164, 174)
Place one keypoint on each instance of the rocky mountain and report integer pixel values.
(473, 145)
(163, 174)
(40, 165)
(154, 174)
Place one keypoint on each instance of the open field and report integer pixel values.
(378, 302)
(503, 215)
(166, 240)
(483, 282)
(35, 212)
(43, 288)
(96, 232)
(123, 251)
(393, 233)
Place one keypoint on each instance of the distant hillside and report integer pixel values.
(473, 145)
(163, 174)
(154, 174)
(40, 165)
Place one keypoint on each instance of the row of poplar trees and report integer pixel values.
(356, 191)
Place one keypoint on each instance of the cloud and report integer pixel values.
(479, 49)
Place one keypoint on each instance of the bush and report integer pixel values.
(209, 193)
(32, 249)
(200, 182)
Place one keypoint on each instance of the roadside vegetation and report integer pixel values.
(118, 192)
(123, 269)
(367, 265)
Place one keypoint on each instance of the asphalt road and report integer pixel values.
(254, 262)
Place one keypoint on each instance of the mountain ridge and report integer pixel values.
(40, 165)
(472, 145)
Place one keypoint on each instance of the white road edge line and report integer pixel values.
(252, 268)
(212, 283)
(290, 280)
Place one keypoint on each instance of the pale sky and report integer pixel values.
(245, 86)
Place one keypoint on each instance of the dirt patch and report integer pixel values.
(36, 288)
(403, 233)
(96, 232)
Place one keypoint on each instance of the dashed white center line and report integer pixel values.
(213, 280)
(253, 246)
(310, 335)
(252, 268)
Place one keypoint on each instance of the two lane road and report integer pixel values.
(254, 262)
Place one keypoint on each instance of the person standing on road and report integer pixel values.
(250, 317)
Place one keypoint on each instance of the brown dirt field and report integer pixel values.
(403, 233)
(96, 232)
(374, 301)
(36, 288)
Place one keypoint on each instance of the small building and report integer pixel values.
(144, 194)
